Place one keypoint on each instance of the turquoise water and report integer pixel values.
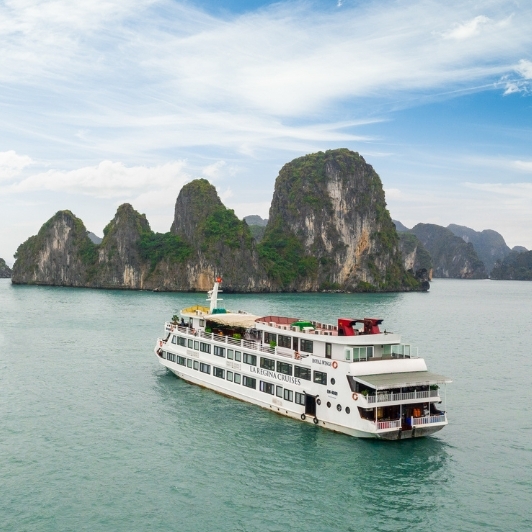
(96, 435)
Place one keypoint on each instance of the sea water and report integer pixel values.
(96, 435)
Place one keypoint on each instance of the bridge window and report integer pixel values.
(284, 367)
(249, 382)
(284, 341)
(250, 359)
(267, 363)
(302, 373)
(320, 377)
(267, 387)
(307, 345)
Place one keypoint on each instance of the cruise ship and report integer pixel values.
(349, 377)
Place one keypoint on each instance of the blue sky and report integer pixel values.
(110, 101)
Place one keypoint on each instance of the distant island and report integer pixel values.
(5, 270)
(459, 252)
(328, 229)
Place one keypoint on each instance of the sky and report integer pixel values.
(114, 101)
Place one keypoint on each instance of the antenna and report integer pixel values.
(213, 295)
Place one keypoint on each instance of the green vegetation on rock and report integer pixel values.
(155, 247)
(516, 266)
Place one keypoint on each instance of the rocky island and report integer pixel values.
(328, 228)
(5, 270)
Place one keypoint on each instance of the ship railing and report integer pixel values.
(388, 397)
(427, 420)
(393, 424)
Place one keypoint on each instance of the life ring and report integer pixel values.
(303, 417)
(316, 421)
(335, 364)
(355, 396)
(297, 356)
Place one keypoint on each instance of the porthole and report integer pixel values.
(347, 410)
(318, 401)
(339, 408)
(328, 404)
(333, 381)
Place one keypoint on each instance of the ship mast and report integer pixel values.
(213, 295)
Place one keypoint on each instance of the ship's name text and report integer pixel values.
(274, 375)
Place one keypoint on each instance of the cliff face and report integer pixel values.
(415, 256)
(120, 264)
(5, 270)
(516, 266)
(452, 257)
(60, 254)
(220, 243)
(489, 245)
(329, 227)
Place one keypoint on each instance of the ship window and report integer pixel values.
(238, 356)
(347, 410)
(196, 365)
(370, 351)
(320, 377)
(219, 351)
(249, 382)
(164, 354)
(230, 376)
(288, 395)
(284, 367)
(237, 378)
(205, 368)
(300, 398)
(181, 341)
(307, 345)
(189, 362)
(206, 348)
(218, 372)
(202, 323)
(174, 339)
(387, 349)
(328, 350)
(230, 354)
(196, 345)
(302, 373)
(266, 387)
(359, 353)
(267, 363)
(191, 344)
(347, 353)
(250, 359)
(279, 391)
(270, 337)
(182, 361)
(284, 341)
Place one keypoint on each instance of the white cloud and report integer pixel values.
(107, 180)
(11, 164)
(213, 170)
(468, 29)
(524, 68)
(522, 191)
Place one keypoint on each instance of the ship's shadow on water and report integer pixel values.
(294, 460)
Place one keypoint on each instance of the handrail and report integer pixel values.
(393, 424)
(427, 420)
(387, 397)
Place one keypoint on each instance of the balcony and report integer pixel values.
(395, 397)
(427, 420)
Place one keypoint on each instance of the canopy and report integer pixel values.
(402, 380)
(233, 320)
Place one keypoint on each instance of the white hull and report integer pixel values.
(362, 383)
